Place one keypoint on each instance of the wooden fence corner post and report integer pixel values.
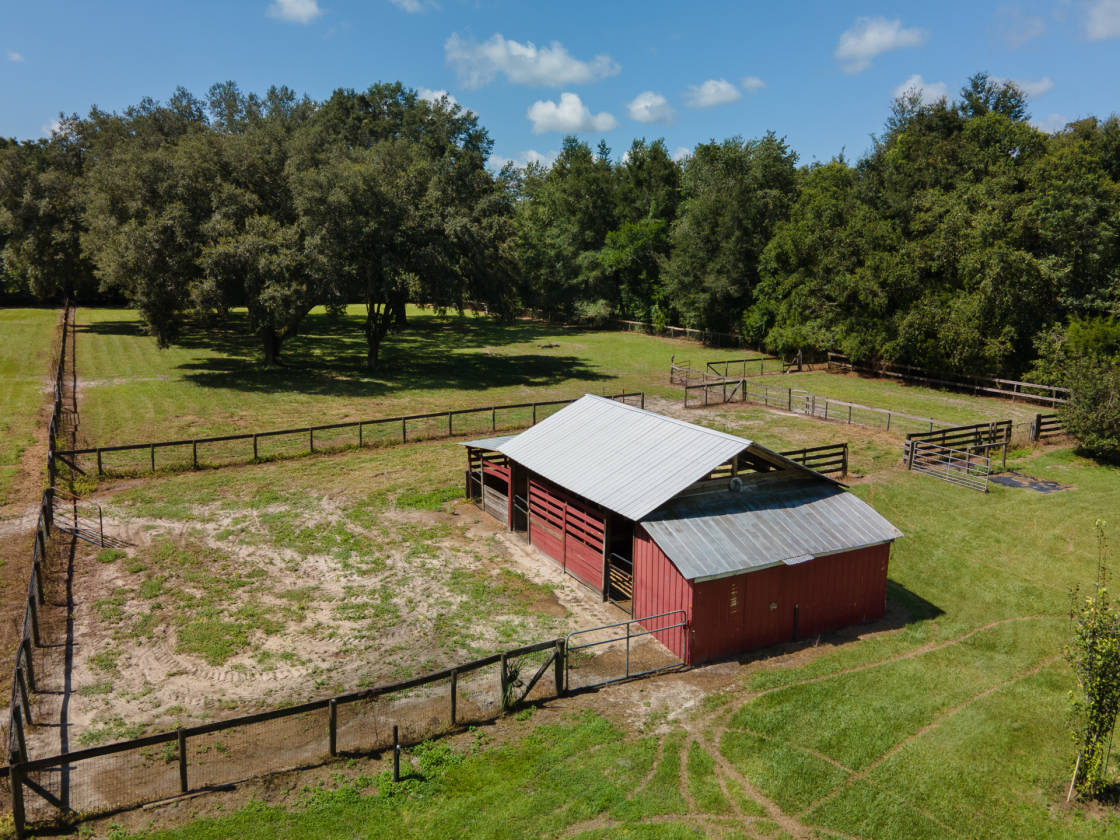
(182, 741)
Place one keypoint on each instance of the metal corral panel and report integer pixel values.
(777, 518)
(658, 589)
(618, 456)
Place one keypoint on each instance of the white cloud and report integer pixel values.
(525, 64)
(15, 56)
(929, 92)
(871, 37)
(1052, 123)
(1103, 20)
(1018, 28)
(681, 153)
(650, 107)
(711, 92)
(1032, 88)
(528, 156)
(752, 84)
(413, 7)
(434, 96)
(570, 115)
(295, 11)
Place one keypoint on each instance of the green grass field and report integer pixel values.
(950, 725)
(210, 383)
(948, 721)
(26, 337)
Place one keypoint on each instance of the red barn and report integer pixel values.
(657, 515)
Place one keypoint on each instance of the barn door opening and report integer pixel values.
(620, 563)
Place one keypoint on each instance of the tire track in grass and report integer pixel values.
(930, 647)
(864, 775)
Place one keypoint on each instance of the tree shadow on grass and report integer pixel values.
(329, 355)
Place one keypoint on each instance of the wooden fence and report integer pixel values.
(251, 447)
(1031, 391)
(802, 402)
(127, 773)
(957, 441)
(830, 458)
(1046, 427)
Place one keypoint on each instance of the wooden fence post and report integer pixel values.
(558, 668)
(493, 418)
(845, 473)
(33, 609)
(396, 754)
(254, 447)
(332, 729)
(311, 440)
(194, 454)
(153, 457)
(100, 472)
(643, 400)
(534, 414)
(19, 817)
(182, 739)
(21, 741)
(504, 682)
(359, 435)
(25, 701)
(449, 425)
(26, 646)
(454, 694)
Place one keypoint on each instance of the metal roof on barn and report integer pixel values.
(623, 458)
(776, 518)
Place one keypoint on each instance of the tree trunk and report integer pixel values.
(378, 319)
(271, 346)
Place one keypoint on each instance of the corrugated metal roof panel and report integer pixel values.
(621, 457)
(776, 518)
(493, 444)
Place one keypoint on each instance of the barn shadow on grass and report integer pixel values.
(903, 608)
(329, 356)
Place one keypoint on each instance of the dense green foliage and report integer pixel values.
(1094, 655)
(962, 240)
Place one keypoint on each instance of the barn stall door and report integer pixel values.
(568, 531)
(495, 490)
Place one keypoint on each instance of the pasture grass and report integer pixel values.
(953, 724)
(212, 381)
(26, 339)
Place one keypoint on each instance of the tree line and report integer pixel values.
(965, 241)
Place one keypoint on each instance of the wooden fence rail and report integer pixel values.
(27, 774)
(1048, 394)
(802, 402)
(428, 426)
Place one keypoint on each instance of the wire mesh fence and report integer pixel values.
(209, 452)
(128, 773)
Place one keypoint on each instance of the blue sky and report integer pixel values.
(820, 74)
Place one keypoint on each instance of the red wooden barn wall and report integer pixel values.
(659, 588)
(568, 530)
(733, 614)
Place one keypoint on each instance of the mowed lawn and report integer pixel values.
(26, 338)
(213, 382)
(950, 721)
